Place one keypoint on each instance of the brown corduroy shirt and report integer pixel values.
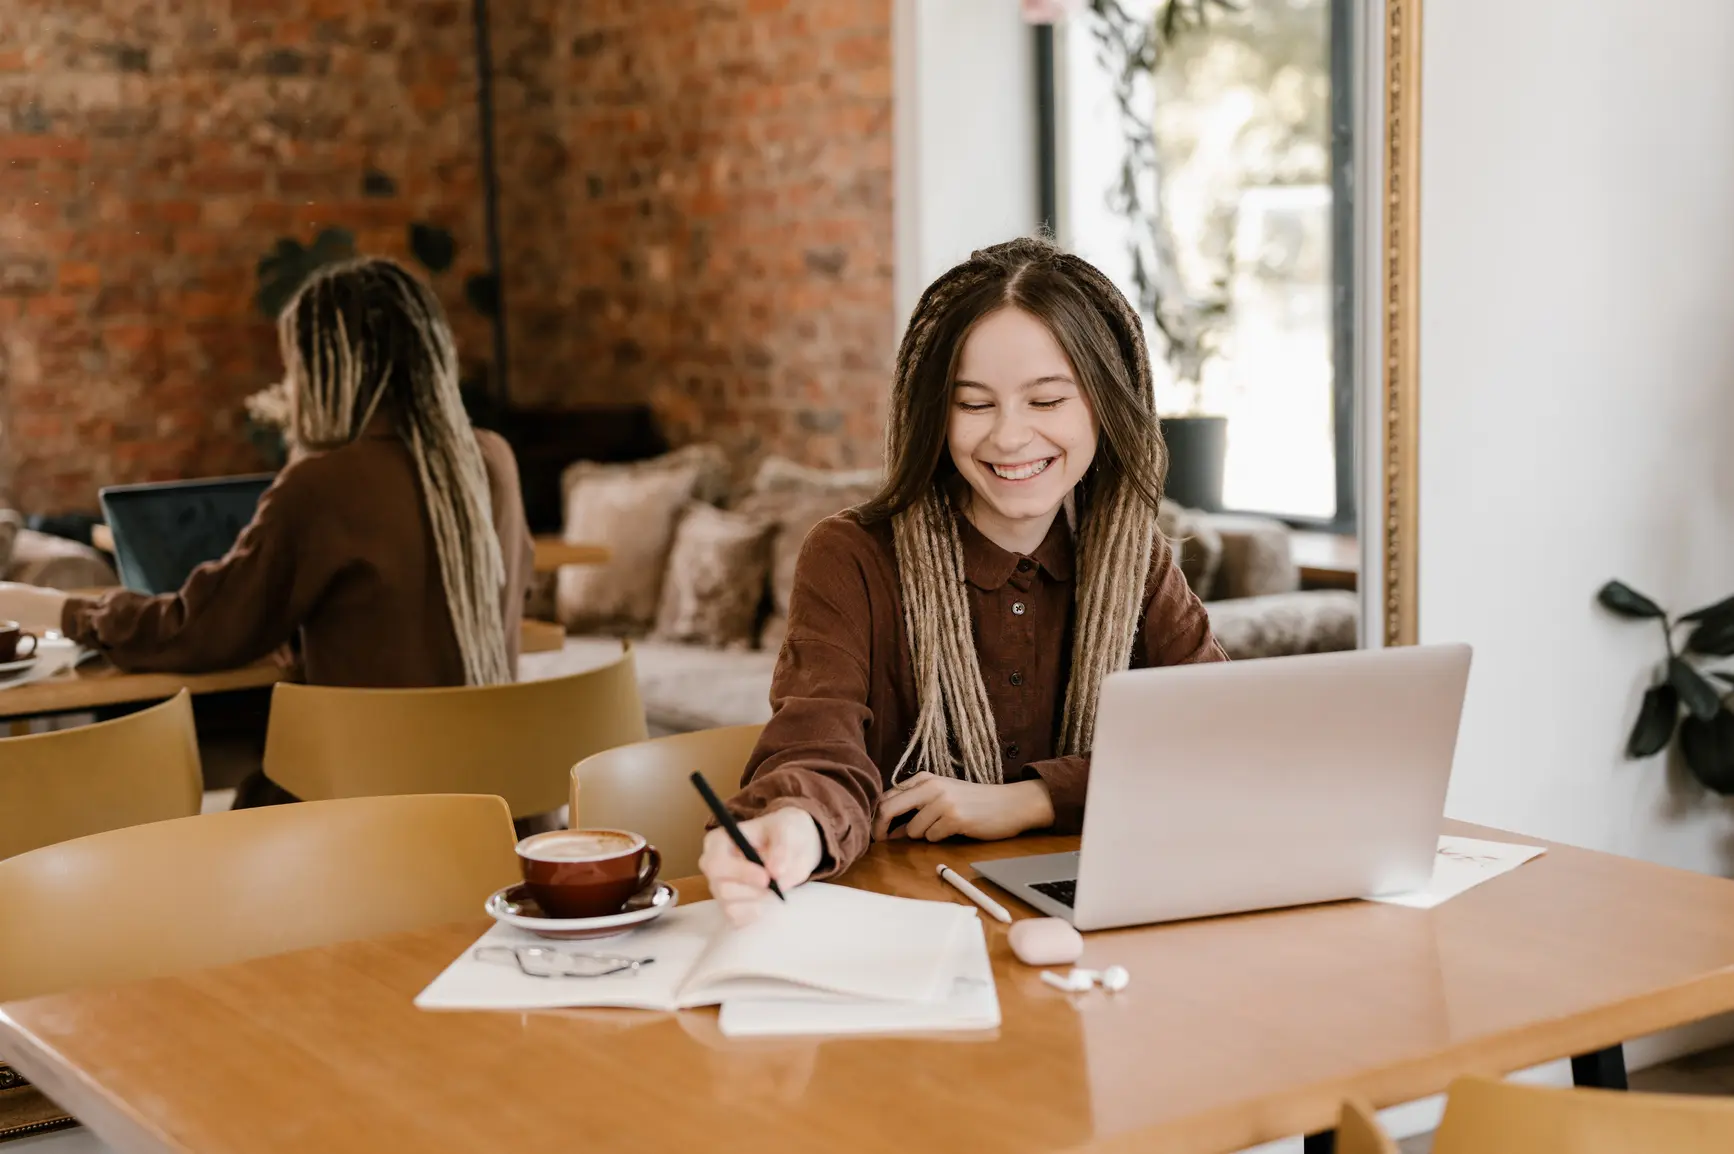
(341, 552)
(843, 694)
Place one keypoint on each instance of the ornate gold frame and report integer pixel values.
(1400, 293)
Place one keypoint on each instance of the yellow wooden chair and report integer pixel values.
(200, 891)
(517, 740)
(1488, 1116)
(644, 788)
(172, 896)
(139, 768)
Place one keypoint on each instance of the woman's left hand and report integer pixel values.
(35, 608)
(946, 807)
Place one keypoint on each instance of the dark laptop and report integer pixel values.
(164, 530)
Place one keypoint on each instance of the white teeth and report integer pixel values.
(1022, 472)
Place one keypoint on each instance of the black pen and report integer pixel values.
(727, 821)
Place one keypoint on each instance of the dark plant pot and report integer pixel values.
(1197, 447)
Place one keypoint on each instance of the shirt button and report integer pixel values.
(1017, 677)
(1011, 750)
(1018, 608)
(1025, 564)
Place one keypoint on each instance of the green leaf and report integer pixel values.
(433, 246)
(1626, 601)
(329, 247)
(1714, 635)
(482, 290)
(1723, 675)
(1722, 609)
(1657, 717)
(1709, 750)
(1696, 692)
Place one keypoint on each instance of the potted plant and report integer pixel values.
(1131, 47)
(1683, 699)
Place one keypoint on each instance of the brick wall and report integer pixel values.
(699, 214)
(695, 211)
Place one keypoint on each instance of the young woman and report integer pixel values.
(947, 641)
(393, 546)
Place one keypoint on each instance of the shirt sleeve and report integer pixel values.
(517, 549)
(231, 612)
(1175, 631)
(813, 752)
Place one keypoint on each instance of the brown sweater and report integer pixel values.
(341, 552)
(843, 694)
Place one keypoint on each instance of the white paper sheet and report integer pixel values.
(973, 1004)
(1462, 863)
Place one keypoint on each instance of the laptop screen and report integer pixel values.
(163, 531)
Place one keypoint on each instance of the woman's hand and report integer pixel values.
(787, 839)
(946, 807)
(35, 608)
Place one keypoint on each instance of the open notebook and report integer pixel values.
(825, 943)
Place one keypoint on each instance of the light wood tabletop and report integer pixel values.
(552, 552)
(97, 683)
(1235, 1031)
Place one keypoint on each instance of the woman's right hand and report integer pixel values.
(788, 840)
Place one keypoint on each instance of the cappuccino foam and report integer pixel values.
(579, 845)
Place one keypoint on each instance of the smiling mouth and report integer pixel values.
(1021, 472)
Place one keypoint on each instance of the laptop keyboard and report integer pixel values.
(1064, 892)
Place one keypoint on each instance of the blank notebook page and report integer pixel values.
(844, 940)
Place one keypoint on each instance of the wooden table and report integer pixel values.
(1235, 1031)
(97, 683)
(1326, 560)
(552, 552)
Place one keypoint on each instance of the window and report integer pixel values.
(1249, 256)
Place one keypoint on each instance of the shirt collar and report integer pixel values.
(988, 567)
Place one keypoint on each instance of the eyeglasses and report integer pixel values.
(548, 962)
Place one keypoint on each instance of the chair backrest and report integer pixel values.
(72, 782)
(1485, 1116)
(1359, 1132)
(517, 740)
(180, 895)
(644, 788)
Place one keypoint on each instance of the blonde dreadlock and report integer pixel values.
(355, 332)
(1113, 509)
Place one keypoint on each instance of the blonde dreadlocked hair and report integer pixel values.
(1113, 509)
(356, 332)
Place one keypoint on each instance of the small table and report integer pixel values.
(1326, 560)
(553, 552)
(97, 683)
(1236, 1031)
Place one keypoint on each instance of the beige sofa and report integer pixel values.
(42, 559)
(1240, 566)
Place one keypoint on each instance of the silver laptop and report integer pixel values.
(1249, 785)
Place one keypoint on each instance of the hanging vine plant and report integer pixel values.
(1130, 47)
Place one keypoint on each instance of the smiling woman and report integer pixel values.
(947, 641)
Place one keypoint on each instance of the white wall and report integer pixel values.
(1577, 383)
(965, 136)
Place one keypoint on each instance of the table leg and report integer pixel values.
(1602, 1070)
(1324, 1142)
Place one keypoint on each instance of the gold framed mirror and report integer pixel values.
(1395, 452)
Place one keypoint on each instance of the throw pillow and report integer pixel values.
(11, 521)
(1197, 546)
(715, 581)
(633, 509)
(794, 512)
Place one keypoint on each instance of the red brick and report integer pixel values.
(77, 275)
(33, 147)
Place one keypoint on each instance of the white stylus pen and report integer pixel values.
(993, 908)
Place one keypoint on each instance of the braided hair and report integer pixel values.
(1113, 509)
(366, 333)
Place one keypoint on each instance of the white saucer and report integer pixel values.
(514, 906)
(18, 666)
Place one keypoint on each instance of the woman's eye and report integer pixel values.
(1050, 404)
(974, 406)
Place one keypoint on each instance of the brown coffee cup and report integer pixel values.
(586, 873)
(12, 638)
